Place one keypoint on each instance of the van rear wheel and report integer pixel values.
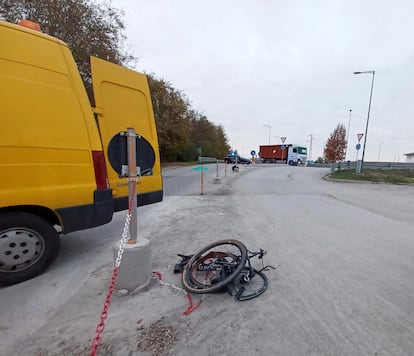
(28, 245)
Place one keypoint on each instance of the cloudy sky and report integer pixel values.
(287, 65)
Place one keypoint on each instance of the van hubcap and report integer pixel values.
(20, 248)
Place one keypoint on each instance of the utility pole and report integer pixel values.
(310, 146)
(270, 131)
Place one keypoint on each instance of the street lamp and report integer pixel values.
(369, 109)
(347, 136)
(270, 130)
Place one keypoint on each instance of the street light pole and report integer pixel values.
(369, 109)
(270, 130)
(379, 151)
(347, 136)
(310, 148)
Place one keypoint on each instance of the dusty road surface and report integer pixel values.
(343, 284)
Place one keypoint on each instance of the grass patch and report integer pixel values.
(377, 175)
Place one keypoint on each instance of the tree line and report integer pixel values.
(97, 29)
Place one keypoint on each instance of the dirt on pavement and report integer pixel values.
(151, 321)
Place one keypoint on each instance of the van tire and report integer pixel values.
(28, 239)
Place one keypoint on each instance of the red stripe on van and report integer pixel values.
(101, 176)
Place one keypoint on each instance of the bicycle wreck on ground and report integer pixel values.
(224, 266)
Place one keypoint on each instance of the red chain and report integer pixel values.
(101, 326)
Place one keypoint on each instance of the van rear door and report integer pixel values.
(123, 100)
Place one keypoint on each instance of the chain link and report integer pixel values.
(157, 278)
(123, 240)
(104, 314)
(126, 227)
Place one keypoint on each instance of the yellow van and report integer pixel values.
(62, 161)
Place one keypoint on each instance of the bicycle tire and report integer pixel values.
(218, 279)
(256, 286)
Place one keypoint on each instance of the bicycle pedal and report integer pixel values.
(178, 268)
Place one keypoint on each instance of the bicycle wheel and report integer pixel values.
(214, 266)
(249, 284)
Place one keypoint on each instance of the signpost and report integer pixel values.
(253, 154)
(201, 169)
(358, 147)
(283, 139)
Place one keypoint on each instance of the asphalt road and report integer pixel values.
(343, 285)
(187, 180)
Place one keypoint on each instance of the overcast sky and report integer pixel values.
(287, 65)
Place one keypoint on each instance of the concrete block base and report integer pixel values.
(135, 270)
(217, 181)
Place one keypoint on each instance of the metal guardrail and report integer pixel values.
(207, 159)
(367, 165)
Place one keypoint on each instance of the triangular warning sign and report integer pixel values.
(359, 136)
(283, 139)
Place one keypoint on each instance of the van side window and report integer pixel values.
(295, 150)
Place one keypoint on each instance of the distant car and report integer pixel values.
(240, 160)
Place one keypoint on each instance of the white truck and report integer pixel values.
(291, 154)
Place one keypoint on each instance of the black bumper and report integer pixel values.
(142, 199)
(83, 217)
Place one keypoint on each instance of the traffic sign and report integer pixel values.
(253, 153)
(282, 147)
(118, 154)
(283, 139)
(199, 169)
(359, 136)
(358, 146)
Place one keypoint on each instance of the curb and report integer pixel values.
(329, 179)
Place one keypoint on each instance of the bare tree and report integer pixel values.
(336, 145)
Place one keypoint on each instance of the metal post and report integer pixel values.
(310, 148)
(202, 179)
(217, 169)
(379, 151)
(132, 176)
(369, 109)
(366, 128)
